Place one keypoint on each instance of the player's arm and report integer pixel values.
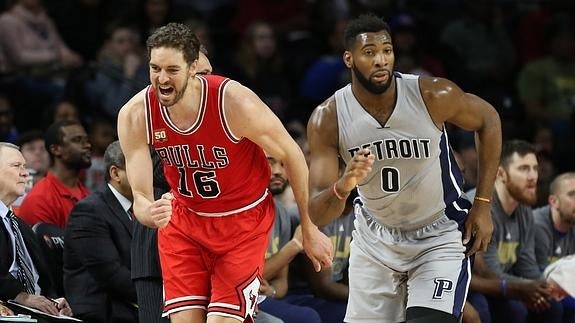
(249, 117)
(133, 140)
(329, 191)
(448, 103)
(323, 136)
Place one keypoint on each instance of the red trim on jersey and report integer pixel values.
(227, 130)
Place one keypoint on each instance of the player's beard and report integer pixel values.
(520, 194)
(178, 94)
(368, 85)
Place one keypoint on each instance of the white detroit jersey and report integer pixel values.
(415, 177)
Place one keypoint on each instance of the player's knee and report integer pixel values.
(429, 315)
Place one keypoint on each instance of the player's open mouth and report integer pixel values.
(166, 90)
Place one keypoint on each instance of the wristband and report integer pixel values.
(482, 199)
(339, 197)
(503, 287)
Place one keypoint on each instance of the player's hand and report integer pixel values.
(161, 210)
(478, 227)
(356, 170)
(317, 247)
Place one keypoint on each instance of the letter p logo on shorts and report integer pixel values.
(442, 285)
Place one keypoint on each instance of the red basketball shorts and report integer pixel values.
(214, 263)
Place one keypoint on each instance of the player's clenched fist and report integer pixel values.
(161, 210)
(356, 170)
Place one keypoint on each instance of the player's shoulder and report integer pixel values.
(235, 88)
(324, 114)
(438, 89)
(136, 103)
(434, 84)
(133, 113)
(326, 108)
(241, 97)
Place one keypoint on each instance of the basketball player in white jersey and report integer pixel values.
(414, 229)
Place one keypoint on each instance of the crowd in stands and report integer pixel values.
(67, 67)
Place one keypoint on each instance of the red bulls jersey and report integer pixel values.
(208, 169)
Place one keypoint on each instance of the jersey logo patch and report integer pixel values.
(160, 135)
(250, 294)
(441, 286)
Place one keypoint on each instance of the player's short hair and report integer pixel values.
(177, 36)
(366, 23)
(510, 147)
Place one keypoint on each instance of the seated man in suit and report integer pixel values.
(24, 275)
(97, 249)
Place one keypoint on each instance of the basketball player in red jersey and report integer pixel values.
(215, 222)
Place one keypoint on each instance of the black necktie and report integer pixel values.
(131, 213)
(24, 271)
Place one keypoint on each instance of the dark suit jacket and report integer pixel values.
(10, 286)
(97, 260)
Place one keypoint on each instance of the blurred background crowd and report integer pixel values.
(84, 58)
(68, 66)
